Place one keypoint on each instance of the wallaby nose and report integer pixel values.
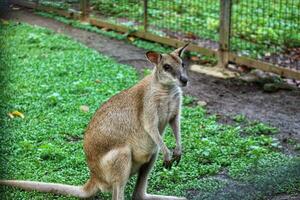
(183, 80)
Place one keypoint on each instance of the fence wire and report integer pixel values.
(262, 29)
(197, 21)
(123, 12)
(191, 20)
(267, 30)
(60, 4)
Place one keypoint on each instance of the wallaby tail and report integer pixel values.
(86, 191)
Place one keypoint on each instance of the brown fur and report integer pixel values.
(125, 135)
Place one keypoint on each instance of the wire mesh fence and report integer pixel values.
(266, 30)
(196, 21)
(60, 4)
(262, 29)
(123, 12)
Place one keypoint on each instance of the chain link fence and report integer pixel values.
(191, 20)
(268, 30)
(124, 12)
(263, 30)
(59, 4)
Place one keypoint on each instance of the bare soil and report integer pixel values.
(289, 58)
(225, 98)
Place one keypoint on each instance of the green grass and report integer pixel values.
(48, 77)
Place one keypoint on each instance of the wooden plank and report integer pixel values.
(145, 15)
(225, 25)
(101, 24)
(267, 67)
(216, 71)
(25, 4)
(84, 8)
(152, 37)
(54, 10)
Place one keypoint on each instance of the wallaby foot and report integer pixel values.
(161, 197)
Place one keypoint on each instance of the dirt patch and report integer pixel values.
(224, 97)
(289, 58)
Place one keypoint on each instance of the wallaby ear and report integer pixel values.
(179, 52)
(153, 57)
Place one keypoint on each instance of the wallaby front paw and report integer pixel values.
(167, 164)
(167, 160)
(176, 157)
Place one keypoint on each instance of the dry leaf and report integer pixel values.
(268, 54)
(4, 22)
(15, 114)
(10, 115)
(194, 58)
(202, 103)
(243, 68)
(131, 39)
(84, 108)
(97, 81)
(191, 35)
(15, 8)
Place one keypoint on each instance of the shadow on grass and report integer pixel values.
(260, 185)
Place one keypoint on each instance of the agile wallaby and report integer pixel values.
(125, 134)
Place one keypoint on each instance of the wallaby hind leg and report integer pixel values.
(140, 191)
(118, 192)
(117, 162)
(142, 180)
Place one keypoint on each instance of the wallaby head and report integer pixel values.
(169, 68)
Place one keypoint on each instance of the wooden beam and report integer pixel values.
(267, 67)
(55, 10)
(25, 4)
(104, 24)
(152, 37)
(145, 15)
(225, 26)
(85, 9)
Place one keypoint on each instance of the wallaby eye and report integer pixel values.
(167, 67)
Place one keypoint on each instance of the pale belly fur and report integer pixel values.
(142, 151)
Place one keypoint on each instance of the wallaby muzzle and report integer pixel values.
(183, 80)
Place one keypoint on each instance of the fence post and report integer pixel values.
(225, 29)
(85, 9)
(145, 15)
(37, 3)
